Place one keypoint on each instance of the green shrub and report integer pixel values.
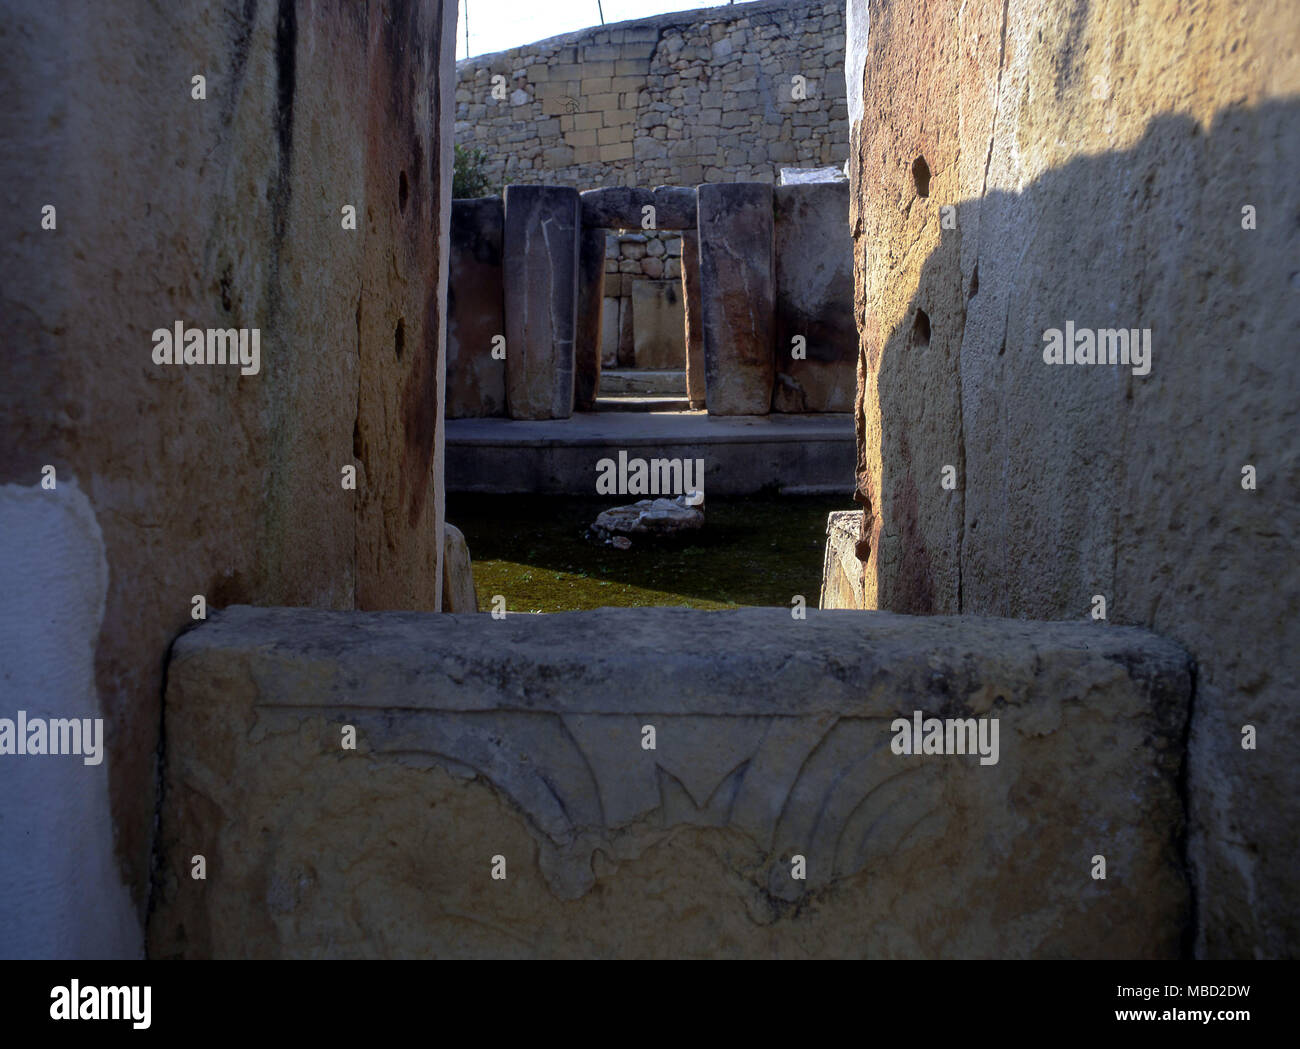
(467, 176)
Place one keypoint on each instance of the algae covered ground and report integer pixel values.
(753, 550)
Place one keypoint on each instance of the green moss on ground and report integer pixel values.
(753, 550)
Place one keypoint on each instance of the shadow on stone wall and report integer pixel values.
(1074, 480)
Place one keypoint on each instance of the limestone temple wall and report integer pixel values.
(675, 99)
(171, 481)
(1025, 167)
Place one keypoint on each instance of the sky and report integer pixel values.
(497, 25)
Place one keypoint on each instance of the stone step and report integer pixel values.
(642, 403)
(742, 454)
(615, 381)
(669, 782)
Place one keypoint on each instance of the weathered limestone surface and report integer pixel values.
(737, 295)
(458, 594)
(520, 738)
(591, 296)
(659, 325)
(694, 319)
(476, 381)
(814, 299)
(541, 291)
(841, 569)
(222, 213)
(1097, 175)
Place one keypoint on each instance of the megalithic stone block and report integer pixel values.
(814, 299)
(591, 296)
(674, 207)
(615, 207)
(476, 381)
(737, 289)
(522, 737)
(541, 295)
(694, 318)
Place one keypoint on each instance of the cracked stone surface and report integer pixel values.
(523, 738)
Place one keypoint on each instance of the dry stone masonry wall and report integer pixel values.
(696, 96)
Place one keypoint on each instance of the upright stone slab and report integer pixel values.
(541, 299)
(476, 381)
(737, 288)
(694, 318)
(814, 299)
(591, 295)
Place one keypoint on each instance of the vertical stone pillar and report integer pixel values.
(476, 381)
(694, 319)
(540, 267)
(737, 289)
(814, 299)
(591, 296)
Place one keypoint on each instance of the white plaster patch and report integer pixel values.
(61, 895)
(856, 22)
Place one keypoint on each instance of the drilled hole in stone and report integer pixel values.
(399, 338)
(921, 176)
(921, 330)
(401, 191)
(974, 282)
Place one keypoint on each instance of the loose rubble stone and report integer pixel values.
(657, 517)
